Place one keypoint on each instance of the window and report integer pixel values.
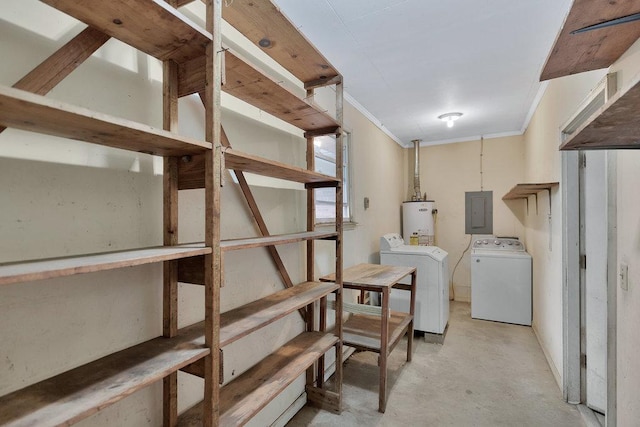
(325, 161)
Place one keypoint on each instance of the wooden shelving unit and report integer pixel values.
(193, 61)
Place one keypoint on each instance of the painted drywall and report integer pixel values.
(64, 197)
(447, 172)
(544, 233)
(628, 244)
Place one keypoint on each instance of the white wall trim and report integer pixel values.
(534, 106)
(470, 138)
(552, 366)
(355, 104)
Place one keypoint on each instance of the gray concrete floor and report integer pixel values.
(485, 374)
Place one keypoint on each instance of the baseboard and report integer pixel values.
(552, 366)
(462, 293)
(289, 413)
(589, 416)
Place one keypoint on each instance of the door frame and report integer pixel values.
(572, 386)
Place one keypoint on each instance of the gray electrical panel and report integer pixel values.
(478, 217)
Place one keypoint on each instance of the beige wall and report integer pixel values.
(544, 237)
(448, 171)
(63, 197)
(628, 301)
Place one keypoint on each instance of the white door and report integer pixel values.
(593, 190)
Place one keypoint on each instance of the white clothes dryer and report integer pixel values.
(432, 288)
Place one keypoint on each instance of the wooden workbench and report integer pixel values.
(364, 331)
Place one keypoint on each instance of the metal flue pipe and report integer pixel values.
(417, 194)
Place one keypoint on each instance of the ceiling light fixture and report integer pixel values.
(449, 118)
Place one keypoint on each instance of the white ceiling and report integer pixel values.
(408, 61)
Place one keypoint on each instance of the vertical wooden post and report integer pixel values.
(213, 181)
(339, 228)
(170, 237)
(311, 218)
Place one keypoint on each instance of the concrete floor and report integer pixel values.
(485, 374)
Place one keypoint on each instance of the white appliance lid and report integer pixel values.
(391, 240)
(430, 251)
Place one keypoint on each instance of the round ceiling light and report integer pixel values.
(449, 118)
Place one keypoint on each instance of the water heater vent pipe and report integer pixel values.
(417, 194)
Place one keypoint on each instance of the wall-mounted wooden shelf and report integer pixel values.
(152, 26)
(246, 395)
(66, 266)
(612, 126)
(522, 191)
(260, 20)
(591, 50)
(74, 395)
(191, 172)
(18, 109)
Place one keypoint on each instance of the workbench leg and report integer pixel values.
(384, 349)
(412, 309)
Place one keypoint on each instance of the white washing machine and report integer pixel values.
(501, 281)
(432, 287)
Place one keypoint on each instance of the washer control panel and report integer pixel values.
(499, 244)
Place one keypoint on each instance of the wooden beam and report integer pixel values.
(170, 237)
(55, 68)
(213, 182)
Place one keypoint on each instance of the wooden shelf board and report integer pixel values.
(244, 162)
(245, 396)
(253, 86)
(151, 26)
(241, 321)
(612, 126)
(522, 191)
(35, 113)
(261, 19)
(363, 331)
(280, 239)
(591, 50)
(66, 266)
(72, 396)
(191, 173)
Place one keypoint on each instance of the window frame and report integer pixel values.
(347, 184)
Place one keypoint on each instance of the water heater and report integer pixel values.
(417, 217)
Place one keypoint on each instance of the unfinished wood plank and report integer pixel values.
(522, 191)
(612, 126)
(277, 239)
(373, 276)
(152, 26)
(591, 50)
(264, 24)
(245, 396)
(238, 160)
(363, 331)
(190, 269)
(55, 68)
(255, 87)
(65, 266)
(241, 321)
(74, 395)
(35, 113)
(191, 171)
